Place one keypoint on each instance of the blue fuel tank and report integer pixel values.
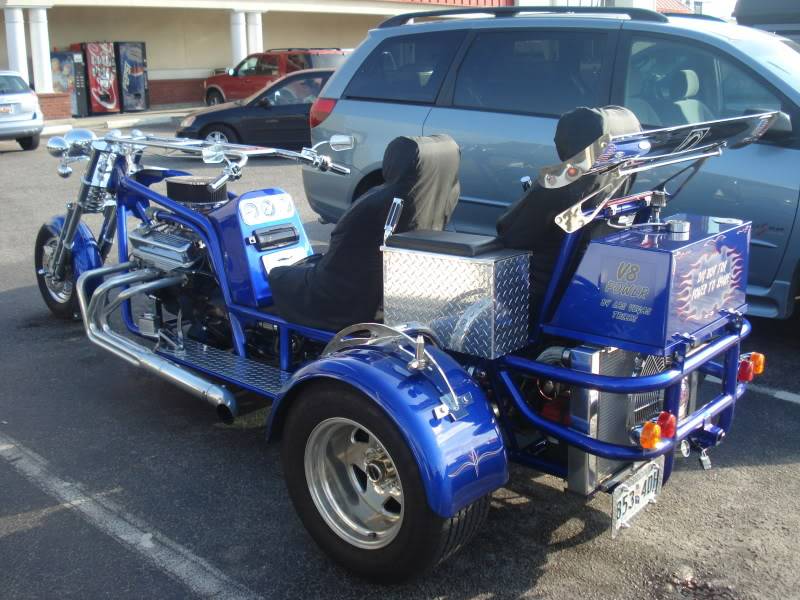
(644, 289)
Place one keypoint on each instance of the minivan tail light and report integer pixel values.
(320, 110)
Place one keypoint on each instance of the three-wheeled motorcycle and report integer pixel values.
(395, 433)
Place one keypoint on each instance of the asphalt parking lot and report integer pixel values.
(116, 484)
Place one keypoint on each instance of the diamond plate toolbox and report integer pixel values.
(476, 305)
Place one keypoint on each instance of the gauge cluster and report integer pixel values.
(266, 209)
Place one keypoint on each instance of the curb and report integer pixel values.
(120, 123)
(55, 129)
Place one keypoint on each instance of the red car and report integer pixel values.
(257, 70)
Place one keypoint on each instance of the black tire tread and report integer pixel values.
(68, 311)
(461, 528)
(30, 142)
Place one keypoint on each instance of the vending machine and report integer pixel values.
(132, 75)
(69, 77)
(101, 76)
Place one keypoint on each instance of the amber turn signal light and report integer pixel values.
(650, 436)
(759, 362)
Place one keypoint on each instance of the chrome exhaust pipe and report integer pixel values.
(97, 311)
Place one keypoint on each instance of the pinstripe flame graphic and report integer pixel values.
(709, 283)
(474, 460)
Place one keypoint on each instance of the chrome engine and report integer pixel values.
(165, 247)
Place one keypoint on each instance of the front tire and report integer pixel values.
(357, 488)
(60, 297)
(29, 143)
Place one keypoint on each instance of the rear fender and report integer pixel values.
(84, 253)
(459, 461)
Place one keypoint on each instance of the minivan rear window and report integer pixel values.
(533, 71)
(407, 68)
(326, 61)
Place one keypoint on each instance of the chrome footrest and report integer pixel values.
(249, 374)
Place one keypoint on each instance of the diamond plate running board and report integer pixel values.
(249, 374)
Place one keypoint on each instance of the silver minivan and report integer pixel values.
(498, 85)
(20, 115)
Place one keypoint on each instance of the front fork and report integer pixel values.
(58, 260)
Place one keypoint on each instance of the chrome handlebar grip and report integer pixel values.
(339, 169)
(218, 182)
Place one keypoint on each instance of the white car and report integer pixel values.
(20, 115)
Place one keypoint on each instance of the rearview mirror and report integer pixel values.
(230, 71)
(341, 142)
(780, 129)
(79, 141)
(213, 155)
(57, 146)
(264, 101)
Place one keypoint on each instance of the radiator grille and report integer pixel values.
(647, 405)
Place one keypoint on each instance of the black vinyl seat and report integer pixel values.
(345, 285)
(529, 223)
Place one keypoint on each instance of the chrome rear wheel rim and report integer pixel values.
(354, 484)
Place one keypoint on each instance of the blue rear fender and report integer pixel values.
(459, 461)
(84, 254)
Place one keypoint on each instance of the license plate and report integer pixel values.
(6, 109)
(636, 492)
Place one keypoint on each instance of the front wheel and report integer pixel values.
(358, 491)
(220, 134)
(60, 296)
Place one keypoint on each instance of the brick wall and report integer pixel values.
(55, 106)
(175, 91)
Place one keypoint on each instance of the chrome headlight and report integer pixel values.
(187, 122)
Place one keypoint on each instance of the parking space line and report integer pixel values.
(178, 562)
(792, 397)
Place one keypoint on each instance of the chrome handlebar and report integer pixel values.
(78, 145)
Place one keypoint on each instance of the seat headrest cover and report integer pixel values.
(683, 84)
(580, 128)
(423, 171)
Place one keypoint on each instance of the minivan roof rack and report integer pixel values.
(694, 16)
(298, 49)
(639, 14)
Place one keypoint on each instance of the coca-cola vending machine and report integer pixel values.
(101, 76)
(132, 75)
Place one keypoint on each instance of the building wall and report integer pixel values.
(190, 43)
(184, 46)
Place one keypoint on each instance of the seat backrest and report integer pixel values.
(529, 223)
(423, 171)
(681, 89)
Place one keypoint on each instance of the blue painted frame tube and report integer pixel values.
(122, 253)
(628, 385)
(565, 254)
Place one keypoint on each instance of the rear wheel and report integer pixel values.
(29, 143)
(358, 491)
(60, 296)
(213, 97)
(220, 134)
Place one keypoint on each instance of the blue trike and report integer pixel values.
(396, 429)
